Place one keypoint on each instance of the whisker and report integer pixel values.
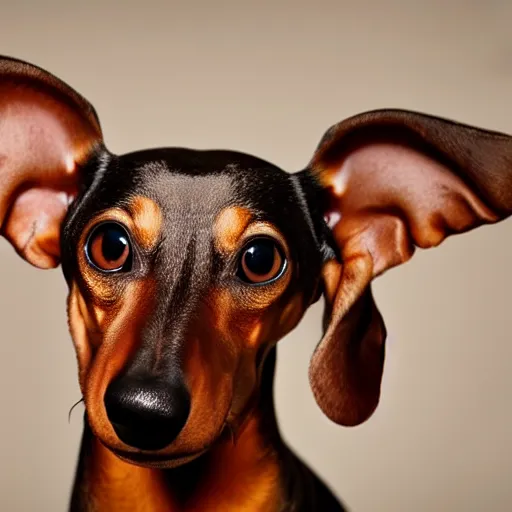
(72, 408)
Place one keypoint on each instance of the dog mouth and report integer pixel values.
(157, 461)
(162, 460)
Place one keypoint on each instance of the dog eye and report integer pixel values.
(108, 248)
(262, 261)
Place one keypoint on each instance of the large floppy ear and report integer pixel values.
(386, 182)
(47, 132)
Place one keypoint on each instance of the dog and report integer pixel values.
(186, 267)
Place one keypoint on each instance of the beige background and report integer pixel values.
(269, 78)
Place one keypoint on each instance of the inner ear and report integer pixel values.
(47, 132)
(33, 224)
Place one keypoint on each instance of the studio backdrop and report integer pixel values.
(268, 78)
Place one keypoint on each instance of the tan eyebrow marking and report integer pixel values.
(229, 226)
(147, 221)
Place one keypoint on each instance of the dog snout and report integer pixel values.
(147, 414)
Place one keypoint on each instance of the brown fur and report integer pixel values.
(176, 348)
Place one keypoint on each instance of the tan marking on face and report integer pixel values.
(147, 221)
(229, 226)
(210, 361)
(220, 305)
(78, 329)
(99, 313)
(240, 331)
(120, 338)
(254, 336)
(92, 314)
(209, 372)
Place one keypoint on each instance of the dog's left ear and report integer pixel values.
(386, 182)
(47, 132)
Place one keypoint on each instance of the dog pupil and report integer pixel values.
(259, 257)
(114, 244)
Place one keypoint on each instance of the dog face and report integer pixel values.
(183, 272)
(186, 267)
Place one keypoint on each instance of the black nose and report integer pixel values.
(145, 413)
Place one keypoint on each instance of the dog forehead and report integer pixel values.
(201, 182)
(179, 193)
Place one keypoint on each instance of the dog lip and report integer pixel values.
(142, 458)
(160, 459)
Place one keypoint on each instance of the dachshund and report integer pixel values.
(186, 267)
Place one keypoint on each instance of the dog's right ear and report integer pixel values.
(47, 132)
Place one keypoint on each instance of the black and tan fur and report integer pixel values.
(176, 354)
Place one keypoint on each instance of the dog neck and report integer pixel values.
(235, 474)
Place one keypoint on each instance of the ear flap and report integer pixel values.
(386, 182)
(47, 131)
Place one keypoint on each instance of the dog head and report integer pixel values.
(186, 267)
